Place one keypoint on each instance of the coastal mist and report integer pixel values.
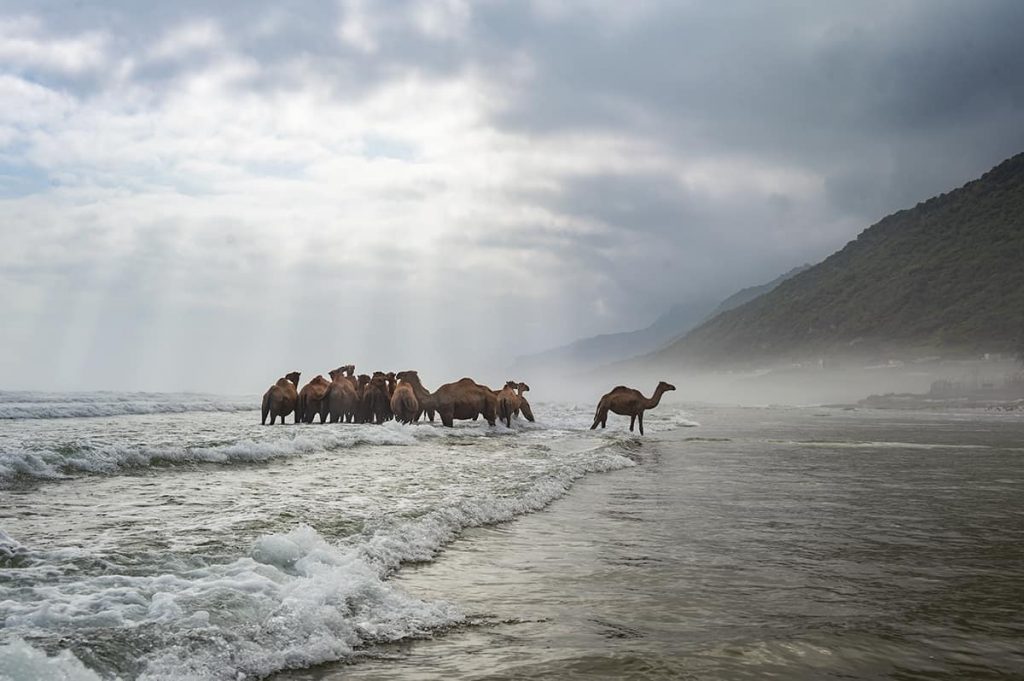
(159, 536)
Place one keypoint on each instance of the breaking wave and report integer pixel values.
(40, 405)
(295, 600)
(59, 460)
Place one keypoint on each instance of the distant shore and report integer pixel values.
(948, 395)
(916, 401)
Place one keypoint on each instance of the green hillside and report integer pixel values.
(946, 276)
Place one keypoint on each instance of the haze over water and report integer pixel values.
(728, 543)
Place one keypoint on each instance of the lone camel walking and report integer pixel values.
(628, 402)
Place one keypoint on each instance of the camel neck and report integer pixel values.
(653, 401)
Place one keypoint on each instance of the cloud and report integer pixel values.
(24, 44)
(200, 197)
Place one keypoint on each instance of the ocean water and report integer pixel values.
(164, 536)
(162, 542)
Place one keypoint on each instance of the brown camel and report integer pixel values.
(423, 396)
(508, 402)
(404, 404)
(362, 381)
(465, 399)
(524, 406)
(342, 399)
(628, 402)
(349, 372)
(374, 402)
(281, 398)
(311, 399)
(389, 390)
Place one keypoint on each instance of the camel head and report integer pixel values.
(390, 376)
(377, 374)
(523, 388)
(408, 376)
(349, 369)
(293, 377)
(663, 386)
(333, 373)
(511, 384)
(378, 381)
(363, 380)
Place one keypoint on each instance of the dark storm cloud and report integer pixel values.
(869, 90)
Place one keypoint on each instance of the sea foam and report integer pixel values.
(19, 661)
(61, 459)
(41, 405)
(295, 600)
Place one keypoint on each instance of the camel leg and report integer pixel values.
(600, 415)
(640, 417)
(632, 422)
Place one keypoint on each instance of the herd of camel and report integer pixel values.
(401, 396)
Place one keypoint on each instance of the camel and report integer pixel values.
(281, 398)
(349, 372)
(521, 403)
(507, 402)
(389, 390)
(404, 404)
(311, 398)
(628, 402)
(374, 402)
(524, 406)
(464, 399)
(342, 399)
(423, 396)
(362, 381)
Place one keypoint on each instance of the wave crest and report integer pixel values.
(40, 405)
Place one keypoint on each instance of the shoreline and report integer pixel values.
(924, 402)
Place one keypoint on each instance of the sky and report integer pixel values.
(205, 196)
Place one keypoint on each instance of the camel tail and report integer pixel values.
(266, 407)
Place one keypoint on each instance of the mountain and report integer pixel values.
(746, 295)
(611, 347)
(614, 347)
(946, 276)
